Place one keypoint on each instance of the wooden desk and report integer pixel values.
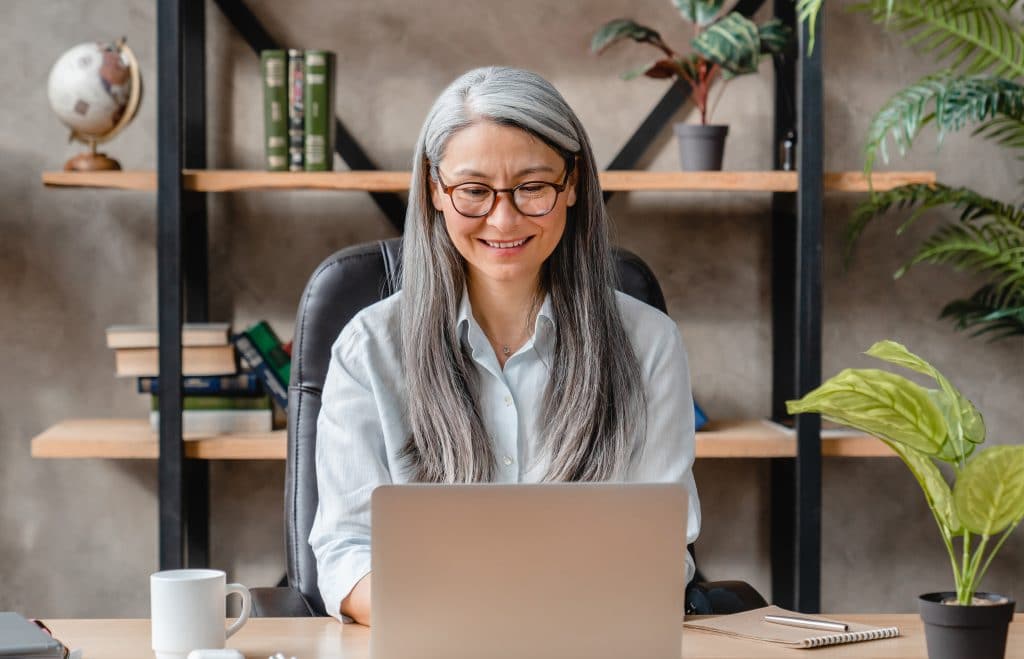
(324, 638)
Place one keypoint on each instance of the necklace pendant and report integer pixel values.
(506, 350)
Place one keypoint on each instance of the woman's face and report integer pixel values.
(504, 246)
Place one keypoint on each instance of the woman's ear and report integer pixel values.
(436, 194)
(570, 191)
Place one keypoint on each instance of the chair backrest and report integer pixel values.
(345, 283)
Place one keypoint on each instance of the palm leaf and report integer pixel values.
(775, 37)
(807, 11)
(951, 101)
(994, 249)
(974, 36)
(733, 43)
(987, 312)
(701, 12)
(1006, 131)
(919, 198)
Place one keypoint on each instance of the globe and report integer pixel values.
(95, 89)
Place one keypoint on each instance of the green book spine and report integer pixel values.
(218, 403)
(296, 109)
(275, 109)
(270, 348)
(319, 109)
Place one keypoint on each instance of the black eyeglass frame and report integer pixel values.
(559, 189)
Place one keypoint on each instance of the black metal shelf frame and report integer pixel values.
(183, 279)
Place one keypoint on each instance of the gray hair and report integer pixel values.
(594, 402)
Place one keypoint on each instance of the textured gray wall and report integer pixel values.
(78, 537)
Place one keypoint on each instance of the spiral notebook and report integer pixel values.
(751, 625)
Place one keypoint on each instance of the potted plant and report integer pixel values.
(724, 44)
(981, 85)
(926, 428)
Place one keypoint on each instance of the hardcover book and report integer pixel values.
(273, 353)
(275, 108)
(199, 360)
(296, 109)
(217, 403)
(243, 384)
(251, 356)
(319, 110)
(145, 336)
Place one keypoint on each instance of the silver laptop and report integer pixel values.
(594, 571)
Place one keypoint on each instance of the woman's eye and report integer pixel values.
(532, 188)
(475, 191)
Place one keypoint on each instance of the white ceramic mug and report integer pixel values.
(187, 610)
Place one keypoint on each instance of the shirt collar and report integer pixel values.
(544, 327)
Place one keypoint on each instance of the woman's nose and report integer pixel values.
(504, 214)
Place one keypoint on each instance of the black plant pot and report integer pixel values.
(700, 147)
(965, 632)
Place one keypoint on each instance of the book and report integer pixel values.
(275, 109)
(219, 422)
(242, 384)
(146, 336)
(296, 109)
(198, 360)
(752, 625)
(700, 419)
(319, 110)
(251, 356)
(273, 353)
(217, 403)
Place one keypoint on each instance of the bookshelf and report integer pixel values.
(134, 439)
(182, 181)
(233, 180)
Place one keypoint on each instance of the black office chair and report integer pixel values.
(345, 283)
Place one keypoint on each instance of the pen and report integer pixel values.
(809, 623)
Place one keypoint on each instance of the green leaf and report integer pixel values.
(951, 101)
(936, 490)
(957, 448)
(976, 36)
(879, 403)
(701, 12)
(988, 311)
(962, 417)
(775, 37)
(662, 68)
(989, 492)
(733, 43)
(621, 28)
(807, 11)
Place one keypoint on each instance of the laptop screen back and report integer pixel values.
(554, 570)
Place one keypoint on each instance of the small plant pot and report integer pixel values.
(965, 632)
(700, 147)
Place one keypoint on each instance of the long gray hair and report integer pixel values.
(594, 405)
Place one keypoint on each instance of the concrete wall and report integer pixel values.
(78, 537)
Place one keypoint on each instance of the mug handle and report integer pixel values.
(239, 589)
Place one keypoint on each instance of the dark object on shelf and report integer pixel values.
(965, 632)
(296, 109)
(700, 147)
(274, 67)
(344, 284)
(319, 140)
(787, 152)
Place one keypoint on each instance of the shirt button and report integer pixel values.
(508, 401)
(508, 461)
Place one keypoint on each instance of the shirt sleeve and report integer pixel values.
(668, 451)
(351, 460)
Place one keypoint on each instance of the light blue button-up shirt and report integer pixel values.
(363, 424)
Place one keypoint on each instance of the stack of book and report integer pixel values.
(298, 109)
(217, 397)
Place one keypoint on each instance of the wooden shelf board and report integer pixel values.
(227, 180)
(133, 438)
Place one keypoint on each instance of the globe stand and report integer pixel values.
(91, 161)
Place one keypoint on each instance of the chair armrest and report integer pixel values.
(281, 602)
(721, 597)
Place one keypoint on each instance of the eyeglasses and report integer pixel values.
(530, 198)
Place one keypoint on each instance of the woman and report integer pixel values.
(507, 356)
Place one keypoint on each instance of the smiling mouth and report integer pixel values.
(506, 245)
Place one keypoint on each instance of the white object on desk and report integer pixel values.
(216, 654)
(187, 610)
